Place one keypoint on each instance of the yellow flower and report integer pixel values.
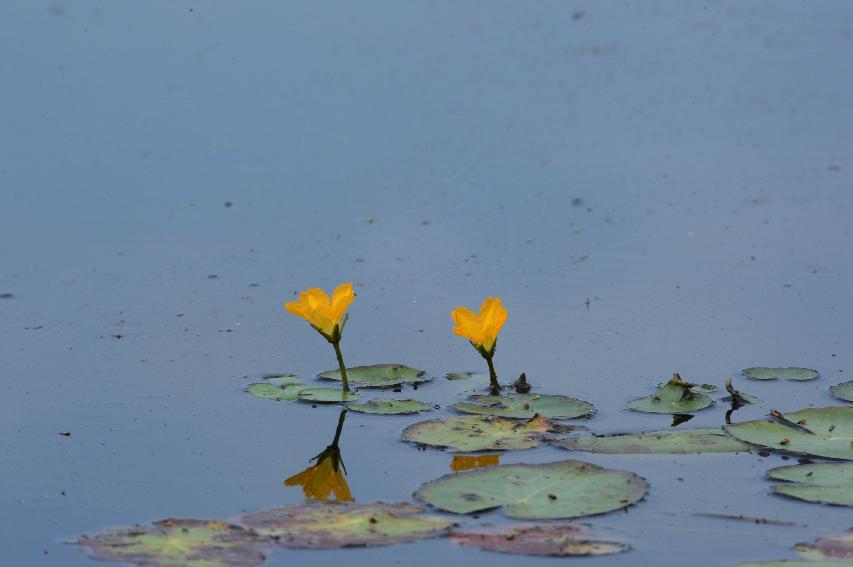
(325, 314)
(482, 329)
(464, 462)
(325, 478)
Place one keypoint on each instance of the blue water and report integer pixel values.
(648, 186)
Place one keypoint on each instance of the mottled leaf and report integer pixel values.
(843, 391)
(565, 489)
(326, 395)
(525, 406)
(673, 397)
(345, 524)
(479, 433)
(659, 442)
(390, 407)
(829, 548)
(828, 483)
(378, 375)
(772, 373)
(553, 539)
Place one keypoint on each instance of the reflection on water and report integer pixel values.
(465, 462)
(326, 479)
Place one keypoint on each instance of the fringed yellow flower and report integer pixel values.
(327, 315)
(482, 330)
(464, 462)
(324, 479)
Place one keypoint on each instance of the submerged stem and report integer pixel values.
(344, 381)
(493, 377)
(340, 428)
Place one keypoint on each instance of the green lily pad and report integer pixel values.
(822, 432)
(478, 376)
(177, 543)
(378, 375)
(390, 407)
(565, 489)
(333, 525)
(675, 396)
(843, 391)
(554, 540)
(272, 392)
(326, 395)
(525, 406)
(796, 563)
(788, 373)
(283, 379)
(833, 548)
(659, 442)
(828, 483)
(479, 433)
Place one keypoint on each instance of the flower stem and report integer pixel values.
(345, 382)
(493, 377)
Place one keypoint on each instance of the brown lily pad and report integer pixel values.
(175, 542)
(332, 525)
(555, 540)
(829, 548)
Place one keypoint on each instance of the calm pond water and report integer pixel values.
(648, 186)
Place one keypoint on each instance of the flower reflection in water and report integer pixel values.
(325, 480)
(465, 462)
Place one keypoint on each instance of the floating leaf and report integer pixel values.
(705, 388)
(557, 540)
(345, 524)
(832, 548)
(477, 376)
(378, 375)
(326, 395)
(828, 483)
(565, 489)
(795, 563)
(479, 433)
(788, 373)
(174, 543)
(272, 392)
(676, 396)
(390, 407)
(283, 379)
(822, 432)
(468, 462)
(525, 406)
(843, 391)
(659, 442)
(738, 398)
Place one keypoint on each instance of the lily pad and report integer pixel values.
(843, 391)
(828, 483)
(378, 375)
(525, 406)
(796, 563)
(326, 395)
(345, 524)
(390, 407)
(659, 442)
(283, 379)
(675, 396)
(480, 433)
(565, 489)
(772, 373)
(833, 548)
(822, 432)
(175, 543)
(555, 540)
(267, 391)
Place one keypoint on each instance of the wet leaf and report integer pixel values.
(267, 391)
(843, 391)
(390, 407)
(788, 373)
(479, 433)
(326, 395)
(283, 379)
(479, 376)
(565, 489)
(176, 543)
(737, 397)
(378, 375)
(659, 442)
(673, 397)
(468, 462)
(557, 540)
(525, 406)
(468, 382)
(795, 563)
(828, 483)
(822, 432)
(828, 548)
(345, 524)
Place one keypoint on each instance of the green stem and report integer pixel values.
(493, 377)
(337, 345)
